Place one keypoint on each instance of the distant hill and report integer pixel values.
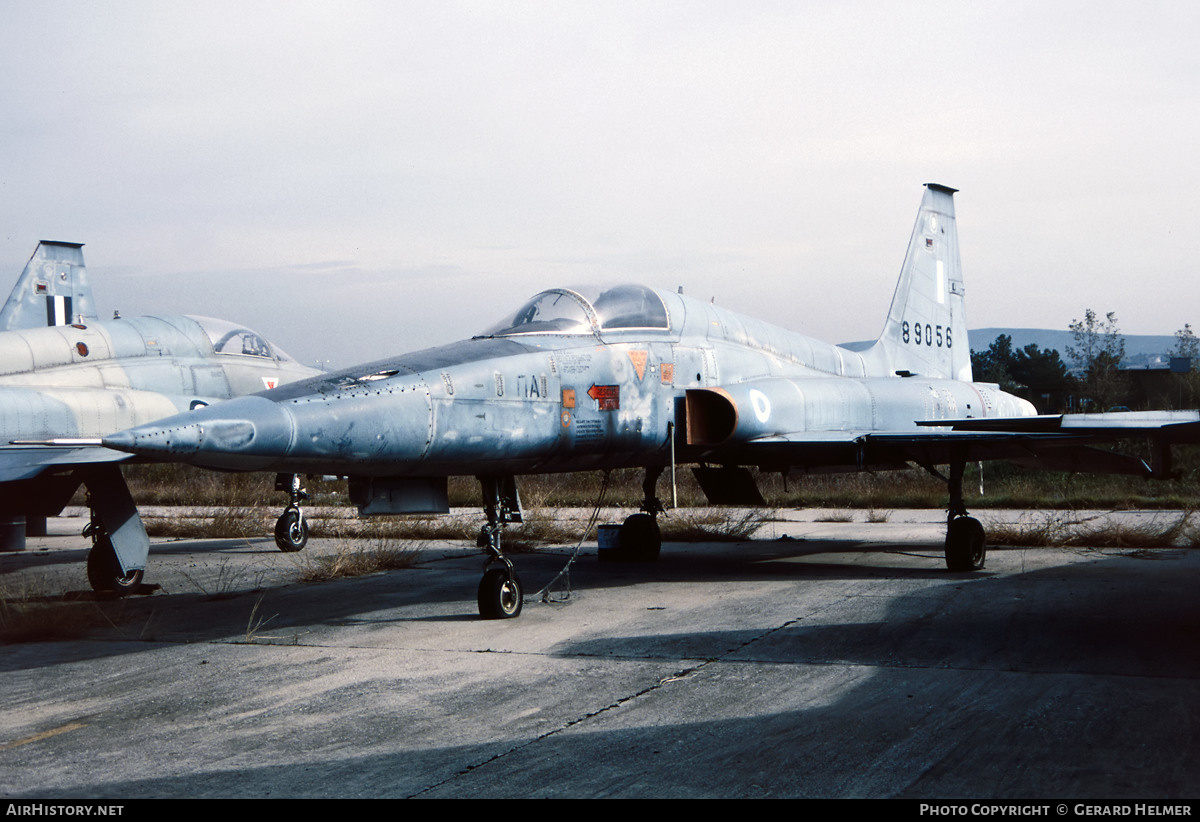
(1140, 349)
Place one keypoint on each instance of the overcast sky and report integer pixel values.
(360, 179)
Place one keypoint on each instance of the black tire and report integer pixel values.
(639, 539)
(291, 531)
(966, 549)
(104, 571)
(500, 597)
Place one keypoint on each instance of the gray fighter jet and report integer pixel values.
(66, 374)
(579, 379)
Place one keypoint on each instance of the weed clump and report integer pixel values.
(836, 516)
(1055, 530)
(356, 560)
(712, 526)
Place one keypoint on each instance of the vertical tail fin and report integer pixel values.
(926, 328)
(52, 290)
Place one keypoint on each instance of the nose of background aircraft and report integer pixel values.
(245, 433)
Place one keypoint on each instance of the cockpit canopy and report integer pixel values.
(586, 310)
(229, 338)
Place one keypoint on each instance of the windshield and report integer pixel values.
(584, 310)
(228, 338)
(552, 312)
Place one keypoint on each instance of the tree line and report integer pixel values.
(1090, 378)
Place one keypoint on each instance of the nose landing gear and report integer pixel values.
(291, 529)
(500, 594)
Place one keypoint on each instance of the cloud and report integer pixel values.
(463, 155)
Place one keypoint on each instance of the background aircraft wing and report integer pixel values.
(22, 462)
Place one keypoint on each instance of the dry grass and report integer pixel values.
(229, 580)
(711, 526)
(1005, 486)
(451, 527)
(28, 613)
(168, 484)
(353, 559)
(244, 522)
(47, 621)
(1056, 530)
(241, 522)
(835, 516)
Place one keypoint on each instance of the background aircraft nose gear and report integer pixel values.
(103, 568)
(291, 529)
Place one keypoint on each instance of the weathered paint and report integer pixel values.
(137, 369)
(66, 374)
(559, 390)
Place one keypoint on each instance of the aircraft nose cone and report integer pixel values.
(157, 439)
(238, 434)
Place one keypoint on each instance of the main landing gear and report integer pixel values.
(291, 529)
(500, 594)
(966, 549)
(639, 539)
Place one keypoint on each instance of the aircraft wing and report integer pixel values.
(1168, 426)
(1058, 442)
(22, 462)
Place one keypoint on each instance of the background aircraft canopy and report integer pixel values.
(230, 338)
(585, 310)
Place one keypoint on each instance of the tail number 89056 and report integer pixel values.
(926, 334)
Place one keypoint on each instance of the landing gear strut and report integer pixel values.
(500, 594)
(966, 548)
(291, 529)
(639, 539)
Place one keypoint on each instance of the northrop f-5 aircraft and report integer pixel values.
(65, 373)
(579, 379)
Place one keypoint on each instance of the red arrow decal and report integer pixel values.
(607, 397)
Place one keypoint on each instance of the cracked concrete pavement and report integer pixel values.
(843, 661)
